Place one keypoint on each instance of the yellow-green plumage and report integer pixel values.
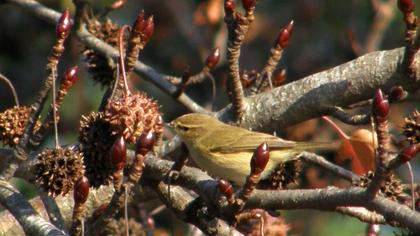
(225, 151)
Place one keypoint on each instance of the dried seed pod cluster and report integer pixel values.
(12, 124)
(283, 175)
(58, 170)
(411, 128)
(96, 140)
(392, 188)
(132, 115)
(102, 68)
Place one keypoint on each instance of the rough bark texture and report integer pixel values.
(311, 96)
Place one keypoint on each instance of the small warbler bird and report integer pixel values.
(226, 151)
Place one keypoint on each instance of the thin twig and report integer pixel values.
(384, 15)
(57, 145)
(99, 46)
(380, 112)
(11, 87)
(335, 169)
(340, 114)
(362, 214)
(238, 26)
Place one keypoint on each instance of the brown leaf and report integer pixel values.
(360, 149)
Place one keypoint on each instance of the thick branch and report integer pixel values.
(333, 197)
(311, 96)
(187, 208)
(31, 222)
(321, 199)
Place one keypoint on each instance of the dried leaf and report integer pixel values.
(360, 149)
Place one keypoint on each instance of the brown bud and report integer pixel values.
(260, 158)
(280, 78)
(406, 6)
(229, 7)
(409, 152)
(139, 24)
(70, 77)
(249, 4)
(149, 28)
(119, 153)
(64, 25)
(226, 188)
(284, 35)
(213, 59)
(380, 105)
(145, 143)
(397, 93)
(81, 190)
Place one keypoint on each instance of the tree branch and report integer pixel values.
(31, 222)
(146, 71)
(311, 96)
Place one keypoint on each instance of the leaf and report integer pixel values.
(360, 149)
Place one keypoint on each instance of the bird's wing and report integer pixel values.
(242, 140)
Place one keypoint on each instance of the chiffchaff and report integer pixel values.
(226, 151)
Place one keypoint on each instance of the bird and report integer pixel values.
(225, 151)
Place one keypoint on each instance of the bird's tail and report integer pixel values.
(291, 153)
(316, 146)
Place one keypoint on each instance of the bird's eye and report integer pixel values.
(183, 128)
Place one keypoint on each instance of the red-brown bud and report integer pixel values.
(409, 152)
(213, 59)
(397, 93)
(64, 25)
(260, 158)
(406, 6)
(139, 23)
(229, 7)
(280, 78)
(119, 153)
(81, 190)
(226, 188)
(380, 105)
(149, 28)
(70, 77)
(284, 35)
(145, 143)
(248, 4)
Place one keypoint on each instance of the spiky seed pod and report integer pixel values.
(392, 188)
(101, 68)
(411, 128)
(283, 175)
(12, 124)
(132, 115)
(57, 170)
(96, 140)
